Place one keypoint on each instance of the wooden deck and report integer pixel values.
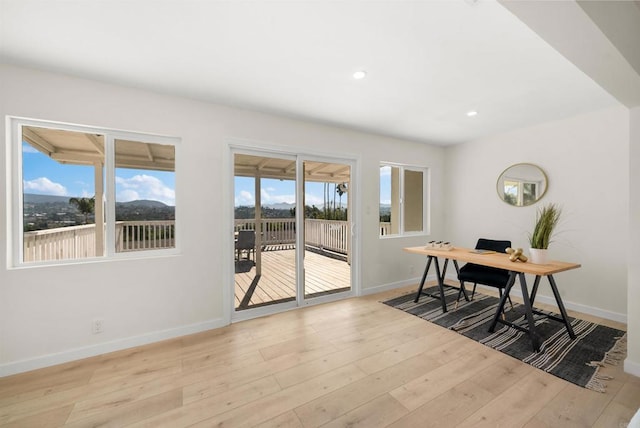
(277, 283)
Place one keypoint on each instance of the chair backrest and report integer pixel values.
(493, 245)
(246, 239)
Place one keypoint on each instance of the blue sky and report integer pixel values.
(278, 191)
(42, 175)
(385, 185)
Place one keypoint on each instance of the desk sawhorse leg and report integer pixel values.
(529, 310)
(440, 275)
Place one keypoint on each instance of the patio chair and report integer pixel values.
(246, 242)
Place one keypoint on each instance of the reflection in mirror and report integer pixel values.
(522, 184)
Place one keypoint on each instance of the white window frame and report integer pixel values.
(15, 190)
(426, 199)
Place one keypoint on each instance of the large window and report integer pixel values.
(81, 192)
(403, 200)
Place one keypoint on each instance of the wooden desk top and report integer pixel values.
(497, 260)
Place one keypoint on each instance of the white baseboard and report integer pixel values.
(632, 367)
(578, 307)
(394, 285)
(103, 348)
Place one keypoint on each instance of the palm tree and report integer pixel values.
(86, 206)
(326, 200)
(341, 189)
(335, 192)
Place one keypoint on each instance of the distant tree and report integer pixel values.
(86, 206)
(314, 212)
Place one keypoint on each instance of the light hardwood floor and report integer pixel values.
(350, 363)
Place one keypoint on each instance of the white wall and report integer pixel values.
(46, 312)
(632, 363)
(586, 161)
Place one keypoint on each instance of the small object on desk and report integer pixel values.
(439, 245)
(515, 255)
(482, 251)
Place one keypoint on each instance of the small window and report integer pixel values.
(61, 195)
(403, 200)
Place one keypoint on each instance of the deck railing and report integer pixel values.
(144, 235)
(77, 242)
(275, 230)
(329, 235)
(385, 228)
(72, 242)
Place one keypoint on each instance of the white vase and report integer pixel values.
(539, 256)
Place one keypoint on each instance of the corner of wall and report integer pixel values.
(632, 367)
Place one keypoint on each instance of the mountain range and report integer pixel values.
(32, 198)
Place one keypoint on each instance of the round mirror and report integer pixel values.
(522, 184)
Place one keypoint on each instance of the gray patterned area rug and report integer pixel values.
(576, 361)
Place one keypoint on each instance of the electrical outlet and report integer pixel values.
(96, 326)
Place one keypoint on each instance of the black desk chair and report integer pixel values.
(485, 275)
(246, 242)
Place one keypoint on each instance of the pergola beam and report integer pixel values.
(99, 145)
(291, 168)
(155, 166)
(312, 171)
(77, 157)
(149, 153)
(37, 141)
(263, 163)
(340, 171)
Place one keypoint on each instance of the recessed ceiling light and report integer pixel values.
(359, 74)
(472, 113)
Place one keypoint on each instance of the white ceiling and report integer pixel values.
(428, 62)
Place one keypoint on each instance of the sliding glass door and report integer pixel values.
(327, 228)
(264, 230)
(292, 230)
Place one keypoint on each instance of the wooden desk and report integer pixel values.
(516, 269)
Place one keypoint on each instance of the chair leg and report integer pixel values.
(460, 292)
